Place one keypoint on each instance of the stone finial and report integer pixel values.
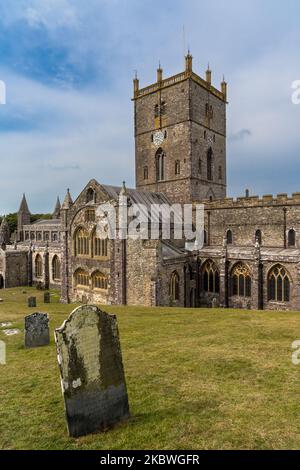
(224, 88)
(159, 73)
(208, 75)
(135, 84)
(68, 202)
(123, 191)
(57, 208)
(247, 193)
(189, 62)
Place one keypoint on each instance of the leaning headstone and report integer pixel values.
(47, 298)
(31, 302)
(36, 330)
(91, 369)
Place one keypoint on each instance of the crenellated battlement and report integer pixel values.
(281, 199)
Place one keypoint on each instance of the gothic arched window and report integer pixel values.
(81, 243)
(209, 164)
(279, 284)
(160, 165)
(291, 237)
(210, 277)
(241, 280)
(90, 195)
(174, 286)
(229, 237)
(99, 280)
(38, 266)
(81, 278)
(56, 268)
(100, 246)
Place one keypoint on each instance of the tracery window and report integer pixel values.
(241, 280)
(279, 284)
(210, 277)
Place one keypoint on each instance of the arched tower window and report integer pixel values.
(229, 237)
(292, 238)
(209, 164)
(174, 286)
(258, 236)
(160, 165)
(220, 172)
(38, 266)
(210, 277)
(241, 280)
(56, 268)
(81, 243)
(279, 284)
(145, 172)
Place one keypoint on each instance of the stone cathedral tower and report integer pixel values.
(180, 136)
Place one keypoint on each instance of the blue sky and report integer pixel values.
(68, 67)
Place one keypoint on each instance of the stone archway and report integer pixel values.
(1, 282)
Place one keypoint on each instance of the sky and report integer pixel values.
(68, 67)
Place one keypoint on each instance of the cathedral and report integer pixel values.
(250, 258)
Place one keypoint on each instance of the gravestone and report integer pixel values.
(84, 299)
(47, 298)
(32, 302)
(91, 369)
(36, 330)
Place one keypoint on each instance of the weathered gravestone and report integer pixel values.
(47, 298)
(91, 368)
(36, 330)
(32, 302)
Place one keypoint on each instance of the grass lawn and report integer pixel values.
(196, 378)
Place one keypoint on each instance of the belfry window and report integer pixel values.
(160, 165)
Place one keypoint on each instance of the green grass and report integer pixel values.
(198, 378)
